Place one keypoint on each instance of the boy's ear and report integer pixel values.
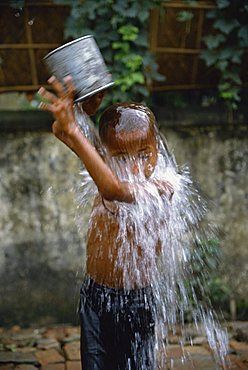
(91, 105)
(101, 94)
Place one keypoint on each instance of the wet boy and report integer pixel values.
(117, 319)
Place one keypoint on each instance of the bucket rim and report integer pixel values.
(85, 96)
(66, 45)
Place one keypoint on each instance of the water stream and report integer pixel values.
(171, 234)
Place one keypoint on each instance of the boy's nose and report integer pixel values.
(135, 168)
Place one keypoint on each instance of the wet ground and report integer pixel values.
(57, 348)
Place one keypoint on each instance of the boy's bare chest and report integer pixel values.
(105, 224)
(103, 221)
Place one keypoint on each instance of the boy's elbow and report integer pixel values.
(120, 193)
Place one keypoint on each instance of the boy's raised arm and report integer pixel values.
(66, 129)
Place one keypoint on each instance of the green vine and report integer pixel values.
(120, 28)
(225, 45)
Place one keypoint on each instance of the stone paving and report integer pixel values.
(57, 348)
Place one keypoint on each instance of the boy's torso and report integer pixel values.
(104, 262)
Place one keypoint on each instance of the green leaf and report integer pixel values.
(76, 13)
(221, 4)
(232, 76)
(229, 95)
(108, 55)
(91, 10)
(213, 41)
(124, 46)
(237, 56)
(129, 32)
(143, 15)
(132, 12)
(158, 77)
(222, 65)
(184, 16)
(229, 92)
(120, 8)
(142, 40)
(226, 53)
(211, 14)
(133, 62)
(101, 40)
(226, 25)
(116, 20)
(138, 77)
(243, 35)
(209, 56)
(224, 86)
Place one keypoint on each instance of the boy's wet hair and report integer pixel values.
(127, 118)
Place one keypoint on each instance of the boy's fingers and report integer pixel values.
(69, 86)
(46, 106)
(47, 95)
(57, 86)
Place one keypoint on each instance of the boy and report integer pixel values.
(117, 305)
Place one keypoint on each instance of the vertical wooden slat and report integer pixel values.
(154, 25)
(2, 77)
(185, 34)
(198, 45)
(30, 50)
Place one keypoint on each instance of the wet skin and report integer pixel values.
(135, 144)
(104, 228)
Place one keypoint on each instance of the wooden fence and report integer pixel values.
(28, 34)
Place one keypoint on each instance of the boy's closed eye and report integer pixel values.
(123, 158)
(142, 156)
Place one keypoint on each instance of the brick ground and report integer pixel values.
(57, 348)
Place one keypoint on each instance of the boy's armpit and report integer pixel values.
(110, 206)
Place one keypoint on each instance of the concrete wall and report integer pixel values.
(42, 249)
(214, 144)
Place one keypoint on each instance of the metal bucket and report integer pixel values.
(83, 61)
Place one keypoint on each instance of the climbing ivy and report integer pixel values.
(225, 44)
(120, 28)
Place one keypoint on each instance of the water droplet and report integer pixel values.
(17, 14)
(177, 226)
(31, 22)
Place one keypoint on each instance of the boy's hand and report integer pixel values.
(60, 105)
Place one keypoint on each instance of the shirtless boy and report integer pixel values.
(117, 322)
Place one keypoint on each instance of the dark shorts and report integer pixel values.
(117, 328)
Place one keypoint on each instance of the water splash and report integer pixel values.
(167, 237)
(31, 22)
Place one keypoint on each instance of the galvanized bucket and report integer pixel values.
(83, 61)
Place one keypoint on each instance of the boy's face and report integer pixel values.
(135, 153)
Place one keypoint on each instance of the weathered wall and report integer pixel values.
(215, 147)
(42, 251)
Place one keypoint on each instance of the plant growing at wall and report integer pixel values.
(120, 28)
(225, 45)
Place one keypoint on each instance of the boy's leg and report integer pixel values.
(92, 348)
(142, 338)
(131, 336)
